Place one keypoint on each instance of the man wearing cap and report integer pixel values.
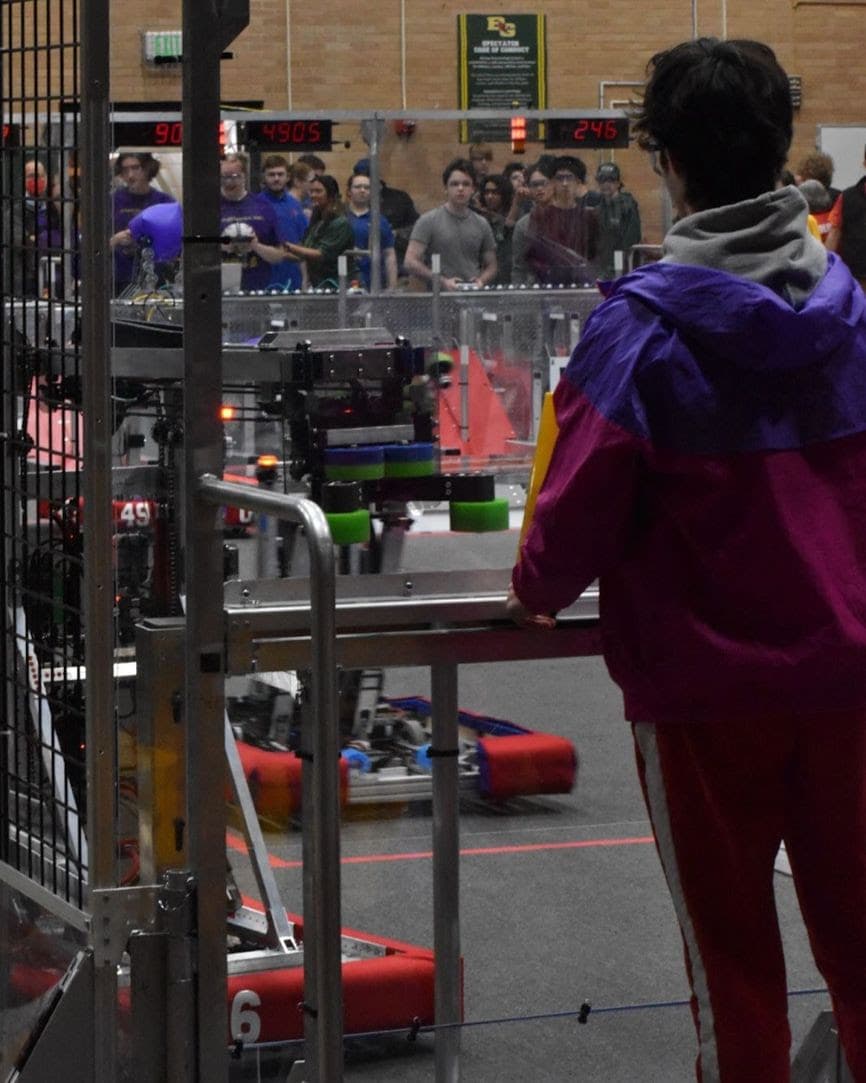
(618, 220)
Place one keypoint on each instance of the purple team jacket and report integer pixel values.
(710, 471)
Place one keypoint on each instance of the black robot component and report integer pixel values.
(323, 391)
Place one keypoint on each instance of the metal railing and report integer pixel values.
(427, 619)
(323, 996)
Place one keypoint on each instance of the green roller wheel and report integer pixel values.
(421, 468)
(479, 516)
(356, 472)
(348, 527)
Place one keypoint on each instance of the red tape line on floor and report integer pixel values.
(235, 842)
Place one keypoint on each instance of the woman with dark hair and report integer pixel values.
(497, 205)
(518, 174)
(328, 237)
(497, 195)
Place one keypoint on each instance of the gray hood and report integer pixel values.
(764, 240)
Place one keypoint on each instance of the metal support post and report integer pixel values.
(161, 777)
(446, 869)
(208, 27)
(342, 286)
(374, 242)
(323, 988)
(280, 930)
(101, 737)
(177, 909)
(467, 328)
(435, 300)
(148, 1021)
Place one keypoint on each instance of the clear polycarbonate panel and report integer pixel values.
(488, 354)
(38, 950)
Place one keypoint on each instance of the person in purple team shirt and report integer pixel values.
(43, 233)
(237, 205)
(136, 193)
(710, 472)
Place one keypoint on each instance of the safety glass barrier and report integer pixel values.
(40, 952)
(496, 323)
(46, 993)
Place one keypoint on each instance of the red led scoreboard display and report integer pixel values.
(272, 134)
(160, 134)
(299, 135)
(587, 133)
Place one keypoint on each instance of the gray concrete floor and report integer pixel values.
(547, 928)
(562, 898)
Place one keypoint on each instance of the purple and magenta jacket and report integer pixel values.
(710, 471)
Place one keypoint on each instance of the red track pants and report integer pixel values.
(721, 798)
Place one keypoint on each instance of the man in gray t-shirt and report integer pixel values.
(462, 239)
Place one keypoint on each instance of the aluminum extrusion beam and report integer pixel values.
(207, 27)
(98, 587)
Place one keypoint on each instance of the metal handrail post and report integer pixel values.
(94, 29)
(323, 991)
(435, 302)
(467, 336)
(342, 287)
(446, 870)
(374, 242)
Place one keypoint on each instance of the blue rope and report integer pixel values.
(581, 1014)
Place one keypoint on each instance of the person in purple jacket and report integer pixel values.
(134, 195)
(710, 472)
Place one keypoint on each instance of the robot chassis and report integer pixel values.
(348, 416)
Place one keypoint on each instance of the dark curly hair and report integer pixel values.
(722, 112)
(459, 165)
(148, 163)
(503, 186)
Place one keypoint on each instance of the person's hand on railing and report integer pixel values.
(523, 617)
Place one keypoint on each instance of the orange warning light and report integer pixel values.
(518, 135)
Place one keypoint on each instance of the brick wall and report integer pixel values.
(349, 57)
